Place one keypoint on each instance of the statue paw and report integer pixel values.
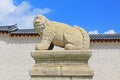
(42, 47)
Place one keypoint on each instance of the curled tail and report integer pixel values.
(86, 38)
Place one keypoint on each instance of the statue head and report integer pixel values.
(39, 23)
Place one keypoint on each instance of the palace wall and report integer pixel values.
(105, 61)
(16, 61)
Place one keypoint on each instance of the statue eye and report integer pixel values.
(37, 17)
(35, 22)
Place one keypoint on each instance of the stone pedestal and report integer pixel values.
(61, 65)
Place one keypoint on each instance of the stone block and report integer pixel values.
(72, 70)
(81, 78)
(50, 78)
(61, 65)
(45, 71)
(56, 55)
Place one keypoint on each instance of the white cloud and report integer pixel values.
(6, 6)
(42, 11)
(21, 14)
(110, 32)
(93, 32)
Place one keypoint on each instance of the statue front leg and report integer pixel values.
(44, 45)
(47, 38)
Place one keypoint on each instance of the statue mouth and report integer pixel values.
(40, 26)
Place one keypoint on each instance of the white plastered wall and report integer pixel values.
(15, 59)
(105, 61)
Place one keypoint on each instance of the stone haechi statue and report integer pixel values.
(60, 34)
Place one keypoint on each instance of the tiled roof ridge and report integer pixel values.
(13, 30)
(9, 28)
(104, 36)
(24, 31)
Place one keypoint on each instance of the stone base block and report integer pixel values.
(61, 78)
(61, 65)
(70, 70)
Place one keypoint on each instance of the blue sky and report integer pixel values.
(96, 16)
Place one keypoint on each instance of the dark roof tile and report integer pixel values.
(12, 29)
(104, 36)
(24, 31)
(9, 28)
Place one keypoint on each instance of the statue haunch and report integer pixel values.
(60, 34)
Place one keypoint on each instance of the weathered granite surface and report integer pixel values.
(61, 65)
(60, 34)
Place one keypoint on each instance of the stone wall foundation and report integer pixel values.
(61, 65)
